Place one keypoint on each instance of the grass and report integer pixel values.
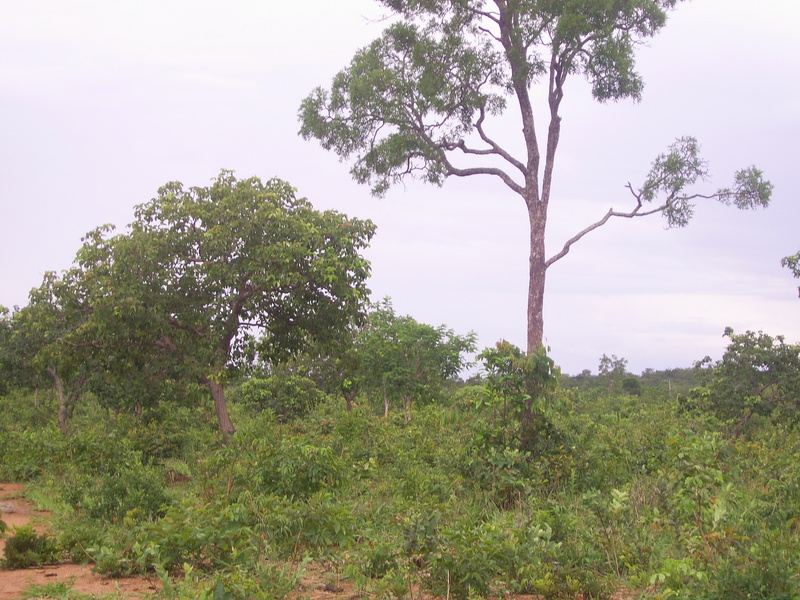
(57, 590)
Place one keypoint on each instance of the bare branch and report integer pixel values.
(198, 331)
(504, 177)
(611, 213)
(496, 147)
(442, 148)
(166, 343)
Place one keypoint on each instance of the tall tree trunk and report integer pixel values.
(537, 215)
(62, 400)
(221, 407)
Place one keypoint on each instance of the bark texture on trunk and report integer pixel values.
(63, 412)
(536, 283)
(221, 408)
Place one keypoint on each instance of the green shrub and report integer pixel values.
(108, 497)
(26, 454)
(766, 568)
(302, 527)
(213, 535)
(506, 554)
(267, 580)
(26, 548)
(77, 535)
(294, 467)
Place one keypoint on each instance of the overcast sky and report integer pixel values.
(103, 102)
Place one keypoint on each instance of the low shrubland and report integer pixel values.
(623, 491)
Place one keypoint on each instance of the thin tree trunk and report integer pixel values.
(385, 399)
(62, 400)
(221, 408)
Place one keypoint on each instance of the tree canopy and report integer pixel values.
(419, 102)
(206, 276)
(793, 264)
(758, 375)
(404, 360)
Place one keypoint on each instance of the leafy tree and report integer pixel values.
(758, 375)
(612, 370)
(8, 358)
(81, 336)
(335, 370)
(16, 353)
(404, 360)
(419, 101)
(48, 343)
(203, 272)
(793, 264)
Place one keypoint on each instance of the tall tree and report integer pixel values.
(11, 367)
(419, 100)
(205, 273)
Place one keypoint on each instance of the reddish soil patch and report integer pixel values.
(17, 512)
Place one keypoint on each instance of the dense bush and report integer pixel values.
(26, 548)
(288, 396)
(26, 454)
(631, 491)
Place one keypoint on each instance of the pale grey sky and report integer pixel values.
(103, 102)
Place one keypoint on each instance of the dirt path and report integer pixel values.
(17, 512)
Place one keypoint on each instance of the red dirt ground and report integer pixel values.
(17, 512)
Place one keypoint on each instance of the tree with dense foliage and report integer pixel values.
(612, 370)
(758, 375)
(404, 360)
(8, 360)
(793, 264)
(48, 339)
(206, 274)
(337, 370)
(632, 386)
(419, 100)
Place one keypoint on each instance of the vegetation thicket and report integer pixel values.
(587, 488)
